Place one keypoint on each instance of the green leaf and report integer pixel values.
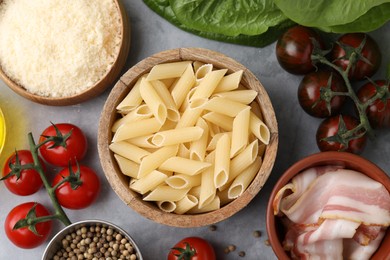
(326, 13)
(228, 17)
(370, 21)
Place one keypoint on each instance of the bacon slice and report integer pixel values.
(353, 250)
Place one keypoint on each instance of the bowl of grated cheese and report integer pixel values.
(62, 52)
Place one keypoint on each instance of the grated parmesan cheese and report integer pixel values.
(58, 48)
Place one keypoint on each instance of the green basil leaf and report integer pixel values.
(326, 13)
(228, 17)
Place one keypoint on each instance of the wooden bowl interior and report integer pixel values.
(120, 182)
(106, 80)
(276, 230)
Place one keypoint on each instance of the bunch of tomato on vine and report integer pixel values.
(330, 79)
(74, 187)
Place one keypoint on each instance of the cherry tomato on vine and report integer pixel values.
(24, 237)
(22, 182)
(76, 145)
(83, 194)
(378, 112)
(192, 248)
(331, 126)
(294, 49)
(366, 66)
(314, 93)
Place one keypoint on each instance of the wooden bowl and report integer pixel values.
(93, 91)
(347, 160)
(120, 182)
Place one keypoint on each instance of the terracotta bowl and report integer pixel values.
(120, 182)
(93, 91)
(347, 160)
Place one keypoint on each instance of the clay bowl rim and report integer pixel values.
(106, 80)
(350, 161)
(111, 169)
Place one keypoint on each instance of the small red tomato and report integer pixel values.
(76, 145)
(24, 237)
(294, 49)
(192, 248)
(84, 194)
(309, 93)
(29, 180)
(330, 127)
(365, 67)
(378, 112)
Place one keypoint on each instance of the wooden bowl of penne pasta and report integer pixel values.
(187, 137)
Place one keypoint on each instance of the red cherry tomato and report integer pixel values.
(29, 180)
(309, 93)
(195, 248)
(330, 126)
(24, 237)
(76, 145)
(83, 195)
(378, 112)
(294, 49)
(370, 52)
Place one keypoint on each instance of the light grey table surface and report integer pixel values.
(151, 34)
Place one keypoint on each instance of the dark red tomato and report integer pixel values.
(192, 248)
(370, 51)
(75, 150)
(330, 126)
(23, 237)
(294, 49)
(83, 195)
(29, 180)
(309, 93)
(378, 112)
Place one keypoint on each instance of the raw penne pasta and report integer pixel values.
(207, 187)
(183, 151)
(222, 161)
(240, 132)
(187, 99)
(213, 142)
(242, 181)
(223, 121)
(189, 118)
(214, 129)
(183, 85)
(155, 159)
(197, 103)
(128, 151)
(132, 100)
(166, 206)
(135, 129)
(185, 204)
(184, 166)
(198, 147)
(259, 129)
(223, 197)
(229, 82)
(143, 141)
(213, 205)
(168, 70)
(197, 64)
(126, 166)
(166, 193)
(168, 82)
(183, 181)
(168, 125)
(141, 112)
(148, 182)
(242, 96)
(162, 91)
(224, 106)
(202, 71)
(154, 102)
(195, 191)
(208, 84)
(177, 136)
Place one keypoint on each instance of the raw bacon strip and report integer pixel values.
(364, 234)
(356, 251)
(323, 250)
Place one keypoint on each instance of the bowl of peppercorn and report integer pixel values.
(92, 239)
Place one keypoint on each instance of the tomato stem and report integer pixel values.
(59, 212)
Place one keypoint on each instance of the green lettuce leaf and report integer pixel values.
(163, 8)
(326, 13)
(370, 21)
(228, 17)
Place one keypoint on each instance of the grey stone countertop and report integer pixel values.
(151, 34)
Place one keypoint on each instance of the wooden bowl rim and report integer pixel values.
(109, 164)
(106, 80)
(348, 160)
